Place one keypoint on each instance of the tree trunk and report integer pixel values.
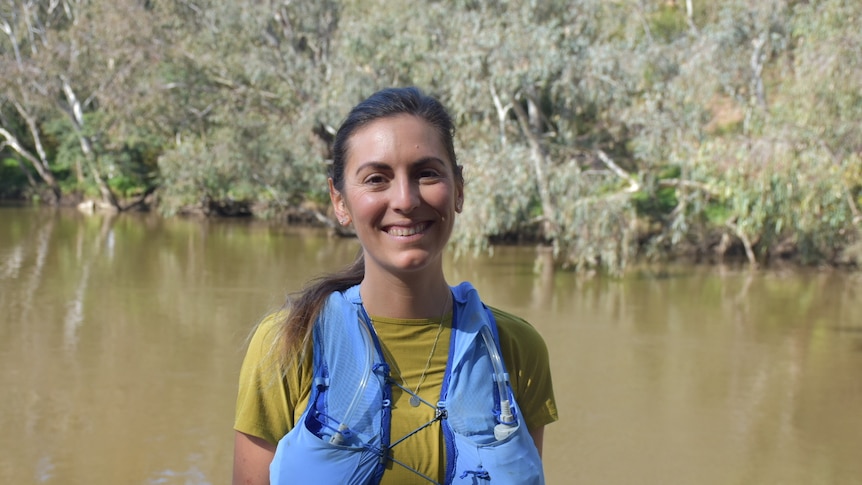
(41, 163)
(758, 58)
(77, 115)
(44, 173)
(540, 162)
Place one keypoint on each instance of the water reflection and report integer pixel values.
(86, 253)
(122, 339)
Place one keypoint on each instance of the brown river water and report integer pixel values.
(121, 341)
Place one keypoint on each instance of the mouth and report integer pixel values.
(404, 231)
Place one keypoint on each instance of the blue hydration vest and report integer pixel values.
(343, 435)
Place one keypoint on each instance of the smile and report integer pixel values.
(403, 231)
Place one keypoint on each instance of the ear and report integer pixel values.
(338, 205)
(459, 198)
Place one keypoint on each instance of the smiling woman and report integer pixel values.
(384, 373)
(401, 193)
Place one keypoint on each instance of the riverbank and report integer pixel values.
(707, 249)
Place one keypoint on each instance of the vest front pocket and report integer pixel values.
(513, 460)
(302, 457)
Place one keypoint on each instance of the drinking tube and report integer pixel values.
(507, 424)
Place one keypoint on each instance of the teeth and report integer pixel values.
(407, 231)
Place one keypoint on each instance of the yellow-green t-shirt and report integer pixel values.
(269, 404)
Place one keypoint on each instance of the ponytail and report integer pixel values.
(303, 308)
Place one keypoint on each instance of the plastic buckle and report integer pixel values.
(441, 412)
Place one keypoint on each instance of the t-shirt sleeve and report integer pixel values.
(527, 362)
(263, 407)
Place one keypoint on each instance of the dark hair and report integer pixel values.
(303, 310)
(386, 103)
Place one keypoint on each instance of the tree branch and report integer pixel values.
(539, 161)
(46, 175)
(689, 184)
(34, 132)
(7, 29)
(634, 186)
(502, 112)
(749, 251)
(757, 60)
(77, 115)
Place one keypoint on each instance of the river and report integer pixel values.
(121, 342)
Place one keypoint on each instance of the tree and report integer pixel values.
(24, 24)
(603, 130)
(83, 61)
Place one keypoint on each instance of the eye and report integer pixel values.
(374, 179)
(429, 175)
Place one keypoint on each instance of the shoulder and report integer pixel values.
(263, 353)
(521, 344)
(272, 386)
(265, 335)
(267, 353)
(513, 327)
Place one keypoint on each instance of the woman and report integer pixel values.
(383, 373)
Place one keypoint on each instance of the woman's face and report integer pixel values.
(399, 192)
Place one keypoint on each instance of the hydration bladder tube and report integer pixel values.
(338, 437)
(507, 424)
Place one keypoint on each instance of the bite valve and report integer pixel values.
(338, 437)
(502, 431)
(507, 424)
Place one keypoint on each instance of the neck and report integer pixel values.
(416, 296)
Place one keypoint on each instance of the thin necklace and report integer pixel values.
(415, 400)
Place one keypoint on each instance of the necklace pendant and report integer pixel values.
(414, 401)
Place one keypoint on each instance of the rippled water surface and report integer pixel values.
(121, 341)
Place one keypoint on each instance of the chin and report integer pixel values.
(415, 263)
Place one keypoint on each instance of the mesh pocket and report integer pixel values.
(349, 359)
(471, 407)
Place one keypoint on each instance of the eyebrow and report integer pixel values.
(382, 165)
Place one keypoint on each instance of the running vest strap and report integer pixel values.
(343, 434)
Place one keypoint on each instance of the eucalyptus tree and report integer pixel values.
(603, 129)
(624, 126)
(600, 128)
(80, 68)
(253, 76)
(738, 120)
(543, 86)
(25, 25)
(531, 86)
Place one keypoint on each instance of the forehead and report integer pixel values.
(395, 138)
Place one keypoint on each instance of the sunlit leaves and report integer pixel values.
(605, 129)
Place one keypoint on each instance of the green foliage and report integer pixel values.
(604, 129)
(668, 22)
(13, 181)
(661, 200)
(64, 144)
(656, 205)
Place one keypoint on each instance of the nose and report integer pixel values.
(405, 195)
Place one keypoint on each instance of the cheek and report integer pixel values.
(443, 198)
(365, 205)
